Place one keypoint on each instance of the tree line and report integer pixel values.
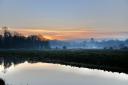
(15, 40)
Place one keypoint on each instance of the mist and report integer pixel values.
(90, 44)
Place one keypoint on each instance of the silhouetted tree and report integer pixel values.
(16, 41)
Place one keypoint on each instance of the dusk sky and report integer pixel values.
(67, 19)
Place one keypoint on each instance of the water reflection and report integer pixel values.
(55, 74)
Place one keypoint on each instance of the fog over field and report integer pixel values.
(90, 44)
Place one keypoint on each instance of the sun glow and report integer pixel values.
(48, 37)
(56, 34)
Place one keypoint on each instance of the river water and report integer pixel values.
(55, 74)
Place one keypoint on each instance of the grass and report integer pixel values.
(110, 60)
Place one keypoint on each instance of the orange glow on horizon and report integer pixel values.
(55, 34)
(47, 34)
(65, 34)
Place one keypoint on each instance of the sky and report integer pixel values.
(66, 19)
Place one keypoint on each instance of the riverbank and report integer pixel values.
(110, 60)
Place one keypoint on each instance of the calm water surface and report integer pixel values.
(55, 74)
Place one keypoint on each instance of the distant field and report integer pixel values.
(110, 60)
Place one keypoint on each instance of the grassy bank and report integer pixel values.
(110, 60)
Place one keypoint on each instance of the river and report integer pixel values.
(56, 74)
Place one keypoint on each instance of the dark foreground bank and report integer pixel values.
(2, 82)
(110, 60)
